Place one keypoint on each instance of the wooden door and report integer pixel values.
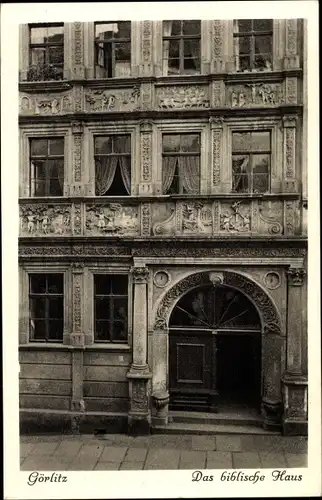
(191, 376)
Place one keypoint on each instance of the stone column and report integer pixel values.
(294, 382)
(76, 184)
(139, 418)
(216, 127)
(77, 342)
(145, 174)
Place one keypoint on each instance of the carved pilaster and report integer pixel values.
(291, 59)
(77, 336)
(145, 219)
(289, 218)
(146, 66)
(291, 90)
(146, 96)
(216, 126)
(217, 60)
(78, 50)
(76, 184)
(146, 157)
(77, 223)
(289, 140)
(295, 417)
(295, 278)
(78, 96)
(217, 94)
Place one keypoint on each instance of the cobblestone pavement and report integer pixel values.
(122, 452)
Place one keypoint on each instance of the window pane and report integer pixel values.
(263, 44)
(37, 283)
(173, 26)
(244, 63)
(243, 25)
(102, 284)
(191, 48)
(173, 66)
(38, 147)
(191, 27)
(55, 329)
(56, 147)
(119, 331)
(123, 51)
(260, 141)
(103, 145)
(122, 144)
(55, 283)
(171, 143)
(37, 307)
(102, 308)
(56, 308)
(38, 188)
(56, 56)
(124, 30)
(242, 141)
(260, 183)
(38, 56)
(244, 45)
(37, 329)
(263, 62)
(119, 284)
(102, 330)
(191, 66)
(240, 165)
(173, 47)
(55, 187)
(38, 170)
(47, 34)
(263, 24)
(190, 143)
(120, 309)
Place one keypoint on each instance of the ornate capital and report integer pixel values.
(146, 125)
(216, 121)
(77, 127)
(140, 275)
(289, 121)
(296, 276)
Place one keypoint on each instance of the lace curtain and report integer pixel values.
(168, 171)
(105, 171)
(188, 171)
(167, 28)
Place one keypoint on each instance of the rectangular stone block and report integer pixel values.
(69, 448)
(228, 443)
(192, 459)
(296, 460)
(132, 466)
(135, 455)
(107, 465)
(90, 451)
(203, 443)
(219, 460)
(113, 454)
(246, 460)
(272, 460)
(162, 459)
(44, 448)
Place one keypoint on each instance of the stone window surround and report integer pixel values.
(37, 132)
(89, 273)
(245, 125)
(104, 129)
(207, 56)
(25, 271)
(181, 127)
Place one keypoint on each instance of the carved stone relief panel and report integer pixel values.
(164, 219)
(289, 218)
(146, 42)
(255, 95)
(184, 218)
(111, 219)
(289, 152)
(217, 45)
(145, 219)
(45, 220)
(78, 50)
(182, 97)
(113, 100)
(46, 104)
(270, 217)
(291, 90)
(77, 219)
(146, 95)
(235, 217)
(146, 152)
(216, 155)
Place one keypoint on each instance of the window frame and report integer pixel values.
(111, 42)
(250, 173)
(180, 127)
(35, 132)
(181, 38)
(32, 178)
(113, 155)
(252, 35)
(182, 154)
(110, 297)
(46, 296)
(46, 45)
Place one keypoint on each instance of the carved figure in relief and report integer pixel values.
(242, 100)
(44, 219)
(25, 103)
(234, 99)
(45, 223)
(111, 219)
(237, 221)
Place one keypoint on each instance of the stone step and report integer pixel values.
(210, 429)
(221, 418)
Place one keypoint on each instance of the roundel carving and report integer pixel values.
(265, 306)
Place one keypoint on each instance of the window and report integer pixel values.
(47, 166)
(181, 164)
(113, 49)
(46, 303)
(253, 40)
(181, 47)
(46, 52)
(111, 307)
(251, 161)
(112, 165)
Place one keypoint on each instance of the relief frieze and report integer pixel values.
(45, 220)
(182, 97)
(112, 100)
(52, 104)
(255, 94)
(235, 217)
(111, 219)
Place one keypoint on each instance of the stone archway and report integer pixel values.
(272, 340)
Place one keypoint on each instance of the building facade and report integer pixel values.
(163, 240)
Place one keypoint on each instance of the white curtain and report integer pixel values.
(168, 171)
(105, 169)
(236, 45)
(189, 173)
(167, 28)
(240, 174)
(261, 49)
(60, 171)
(125, 166)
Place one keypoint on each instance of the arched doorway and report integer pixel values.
(214, 350)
